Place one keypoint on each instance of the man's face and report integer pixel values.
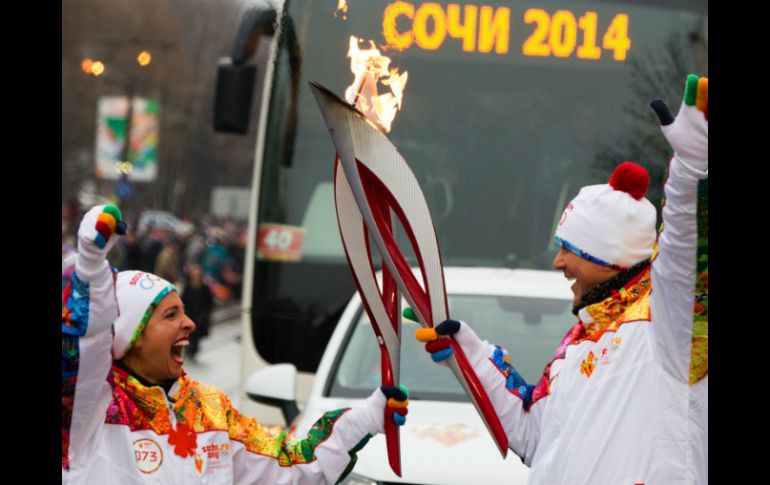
(585, 273)
(158, 353)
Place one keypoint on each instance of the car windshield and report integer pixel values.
(529, 328)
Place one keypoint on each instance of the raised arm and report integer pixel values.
(88, 310)
(680, 266)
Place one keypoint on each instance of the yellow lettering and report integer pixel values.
(466, 31)
(555, 34)
(494, 29)
(393, 37)
(563, 33)
(536, 45)
(589, 49)
(616, 37)
(421, 36)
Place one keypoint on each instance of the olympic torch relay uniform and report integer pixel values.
(625, 399)
(117, 430)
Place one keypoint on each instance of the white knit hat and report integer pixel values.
(611, 224)
(138, 294)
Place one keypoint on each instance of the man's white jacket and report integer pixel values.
(625, 399)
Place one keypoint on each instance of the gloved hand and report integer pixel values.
(97, 234)
(688, 133)
(396, 406)
(436, 339)
(384, 403)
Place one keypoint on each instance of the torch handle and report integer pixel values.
(392, 443)
(467, 377)
(392, 302)
(392, 437)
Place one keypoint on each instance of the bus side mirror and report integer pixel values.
(234, 91)
(276, 386)
(236, 78)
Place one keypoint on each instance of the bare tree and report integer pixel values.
(659, 75)
(185, 39)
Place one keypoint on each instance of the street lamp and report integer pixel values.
(86, 65)
(144, 58)
(89, 66)
(97, 68)
(120, 158)
(126, 166)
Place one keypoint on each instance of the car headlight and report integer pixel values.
(354, 479)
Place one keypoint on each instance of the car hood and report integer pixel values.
(442, 443)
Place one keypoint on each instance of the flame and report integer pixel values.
(342, 7)
(369, 67)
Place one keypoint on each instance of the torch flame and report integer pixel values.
(369, 67)
(342, 7)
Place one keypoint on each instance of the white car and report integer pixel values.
(151, 219)
(444, 441)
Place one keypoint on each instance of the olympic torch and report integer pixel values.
(372, 180)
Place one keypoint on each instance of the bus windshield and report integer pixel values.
(509, 108)
(499, 141)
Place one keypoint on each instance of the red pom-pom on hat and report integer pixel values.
(630, 178)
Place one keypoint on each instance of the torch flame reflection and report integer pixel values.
(342, 7)
(369, 67)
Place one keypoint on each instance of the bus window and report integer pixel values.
(321, 243)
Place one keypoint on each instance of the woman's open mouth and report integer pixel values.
(177, 350)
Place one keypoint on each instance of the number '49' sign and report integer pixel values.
(279, 242)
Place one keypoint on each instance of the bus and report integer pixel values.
(509, 108)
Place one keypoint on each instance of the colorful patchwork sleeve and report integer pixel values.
(326, 455)
(679, 299)
(513, 398)
(88, 310)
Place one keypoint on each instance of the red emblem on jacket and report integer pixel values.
(183, 439)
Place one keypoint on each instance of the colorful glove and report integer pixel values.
(398, 400)
(96, 236)
(436, 339)
(688, 133)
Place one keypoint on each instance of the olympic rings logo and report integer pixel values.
(150, 281)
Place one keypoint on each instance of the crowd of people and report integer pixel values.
(216, 244)
(205, 261)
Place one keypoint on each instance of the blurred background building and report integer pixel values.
(163, 54)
